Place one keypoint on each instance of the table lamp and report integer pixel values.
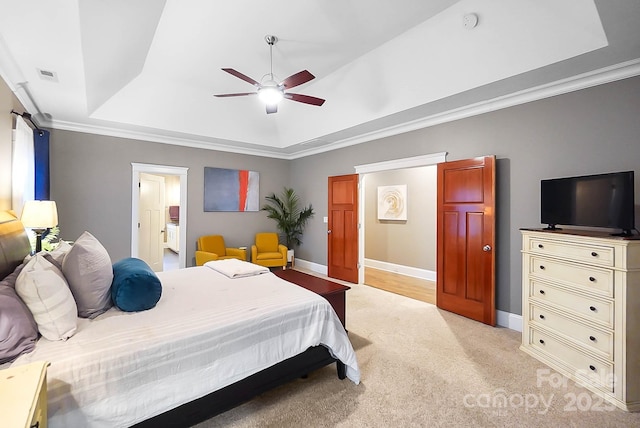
(39, 216)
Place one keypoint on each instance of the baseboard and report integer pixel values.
(509, 320)
(400, 269)
(314, 267)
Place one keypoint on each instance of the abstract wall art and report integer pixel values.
(231, 190)
(392, 202)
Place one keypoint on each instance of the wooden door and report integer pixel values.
(151, 223)
(342, 233)
(466, 238)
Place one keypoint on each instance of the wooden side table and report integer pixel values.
(23, 396)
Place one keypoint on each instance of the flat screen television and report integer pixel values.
(602, 200)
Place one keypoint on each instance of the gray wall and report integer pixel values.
(91, 184)
(590, 131)
(407, 243)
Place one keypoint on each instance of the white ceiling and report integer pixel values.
(148, 69)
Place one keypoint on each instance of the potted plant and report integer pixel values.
(289, 216)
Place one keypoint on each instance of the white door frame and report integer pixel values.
(137, 168)
(362, 170)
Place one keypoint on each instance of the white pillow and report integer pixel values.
(42, 287)
(89, 272)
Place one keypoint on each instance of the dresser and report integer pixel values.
(581, 309)
(23, 396)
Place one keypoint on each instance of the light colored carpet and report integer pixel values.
(423, 367)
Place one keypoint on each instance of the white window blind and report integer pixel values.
(22, 166)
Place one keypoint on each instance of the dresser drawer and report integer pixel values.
(585, 334)
(590, 278)
(592, 254)
(583, 365)
(598, 310)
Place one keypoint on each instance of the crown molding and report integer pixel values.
(159, 138)
(582, 81)
(575, 83)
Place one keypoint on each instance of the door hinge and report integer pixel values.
(358, 265)
(138, 225)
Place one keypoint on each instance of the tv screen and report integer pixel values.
(602, 200)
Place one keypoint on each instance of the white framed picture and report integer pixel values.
(392, 202)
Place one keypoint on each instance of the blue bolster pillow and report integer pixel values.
(135, 285)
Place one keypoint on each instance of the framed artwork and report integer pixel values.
(392, 202)
(231, 190)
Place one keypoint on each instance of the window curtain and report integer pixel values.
(41, 152)
(22, 166)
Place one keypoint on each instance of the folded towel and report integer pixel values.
(234, 268)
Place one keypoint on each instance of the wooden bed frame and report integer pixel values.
(14, 246)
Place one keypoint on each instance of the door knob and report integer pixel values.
(328, 231)
(486, 248)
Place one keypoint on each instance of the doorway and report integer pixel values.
(181, 182)
(398, 164)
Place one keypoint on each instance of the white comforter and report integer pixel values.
(206, 332)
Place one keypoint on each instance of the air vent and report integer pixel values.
(48, 75)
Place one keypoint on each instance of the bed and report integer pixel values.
(209, 344)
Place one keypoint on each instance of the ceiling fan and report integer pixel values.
(269, 90)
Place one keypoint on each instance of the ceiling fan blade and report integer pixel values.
(240, 94)
(241, 76)
(307, 99)
(272, 108)
(297, 79)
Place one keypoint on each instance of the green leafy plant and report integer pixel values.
(49, 241)
(290, 218)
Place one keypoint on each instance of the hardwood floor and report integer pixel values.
(408, 286)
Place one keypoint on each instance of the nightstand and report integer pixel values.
(23, 396)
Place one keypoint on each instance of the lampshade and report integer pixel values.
(39, 214)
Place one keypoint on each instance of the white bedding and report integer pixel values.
(206, 332)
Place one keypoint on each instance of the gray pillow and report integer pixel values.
(58, 254)
(18, 329)
(89, 273)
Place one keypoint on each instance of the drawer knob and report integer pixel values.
(593, 309)
(592, 279)
(541, 316)
(591, 338)
(540, 246)
(541, 291)
(541, 267)
(542, 341)
(594, 254)
(592, 368)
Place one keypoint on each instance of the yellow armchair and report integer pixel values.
(212, 247)
(267, 251)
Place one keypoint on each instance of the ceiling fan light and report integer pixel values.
(270, 95)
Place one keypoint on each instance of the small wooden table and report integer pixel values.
(332, 291)
(23, 396)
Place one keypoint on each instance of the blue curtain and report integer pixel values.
(41, 154)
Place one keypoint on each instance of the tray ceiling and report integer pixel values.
(148, 69)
